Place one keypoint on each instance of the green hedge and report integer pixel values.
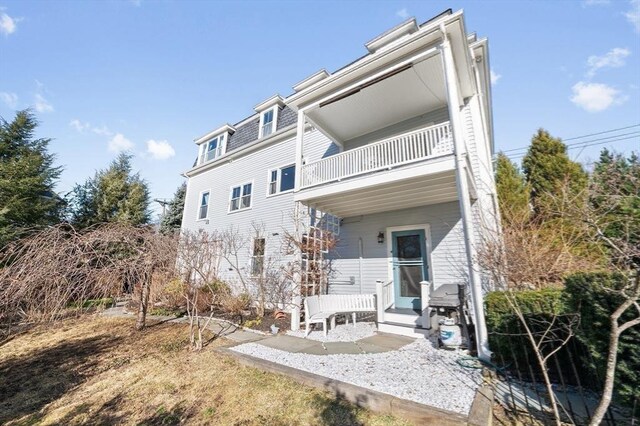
(588, 295)
(584, 294)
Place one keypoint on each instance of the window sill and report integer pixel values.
(288, 191)
(239, 210)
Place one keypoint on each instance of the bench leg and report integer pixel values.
(324, 327)
(353, 316)
(333, 322)
(306, 329)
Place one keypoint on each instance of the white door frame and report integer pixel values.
(427, 237)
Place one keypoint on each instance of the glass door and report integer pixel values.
(409, 267)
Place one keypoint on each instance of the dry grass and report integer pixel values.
(100, 371)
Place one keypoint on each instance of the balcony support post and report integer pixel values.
(299, 150)
(453, 101)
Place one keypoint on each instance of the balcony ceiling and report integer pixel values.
(407, 94)
(358, 197)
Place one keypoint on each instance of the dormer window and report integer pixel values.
(267, 125)
(213, 145)
(214, 148)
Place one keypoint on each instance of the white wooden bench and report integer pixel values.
(322, 308)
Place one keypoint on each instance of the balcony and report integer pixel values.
(400, 150)
(406, 170)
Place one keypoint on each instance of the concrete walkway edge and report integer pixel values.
(366, 398)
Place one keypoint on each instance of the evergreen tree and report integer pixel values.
(547, 167)
(112, 195)
(513, 191)
(27, 179)
(172, 219)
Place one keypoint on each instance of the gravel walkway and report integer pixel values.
(418, 372)
(342, 333)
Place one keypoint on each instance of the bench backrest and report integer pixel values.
(311, 305)
(347, 302)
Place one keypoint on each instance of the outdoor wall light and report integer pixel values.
(380, 237)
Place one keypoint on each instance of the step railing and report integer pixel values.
(406, 148)
(384, 297)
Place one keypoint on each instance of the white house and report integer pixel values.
(391, 153)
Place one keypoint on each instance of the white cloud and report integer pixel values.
(104, 130)
(136, 3)
(595, 97)
(403, 13)
(119, 143)
(615, 58)
(633, 15)
(595, 2)
(79, 125)
(495, 77)
(41, 104)
(8, 25)
(160, 150)
(11, 99)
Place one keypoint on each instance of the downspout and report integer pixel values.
(463, 195)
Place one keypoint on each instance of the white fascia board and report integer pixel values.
(482, 45)
(360, 67)
(222, 129)
(279, 136)
(406, 28)
(272, 101)
(311, 80)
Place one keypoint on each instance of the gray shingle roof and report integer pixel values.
(248, 132)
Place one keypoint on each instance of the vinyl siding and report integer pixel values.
(430, 118)
(448, 260)
(272, 213)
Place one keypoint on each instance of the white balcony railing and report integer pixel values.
(398, 150)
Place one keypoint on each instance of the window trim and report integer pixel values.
(278, 180)
(198, 218)
(274, 121)
(222, 147)
(241, 185)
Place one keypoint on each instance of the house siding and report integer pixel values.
(447, 261)
(274, 214)
(437, 116)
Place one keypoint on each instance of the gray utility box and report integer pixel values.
(445, 296)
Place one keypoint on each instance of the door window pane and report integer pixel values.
(409, 247)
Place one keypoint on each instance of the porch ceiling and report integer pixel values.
(418, 89)
(396, 195)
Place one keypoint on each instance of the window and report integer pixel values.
(214, 148)
(282, 179)
(241, 197)
(267, 123)
(204, 205)
(257, 260)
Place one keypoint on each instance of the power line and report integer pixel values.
(580, 137)
(599, 142)
(579, 144)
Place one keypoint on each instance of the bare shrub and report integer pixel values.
(55, 272)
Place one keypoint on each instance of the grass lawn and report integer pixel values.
(100, 371)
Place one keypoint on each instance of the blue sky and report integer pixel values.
(150, 76)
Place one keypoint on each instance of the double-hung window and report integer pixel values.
(257, 260)
(282, 179)
(241, 197)
(204, 205)
(267, 123)
(214, 148)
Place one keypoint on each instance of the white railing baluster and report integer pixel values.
(394, 151)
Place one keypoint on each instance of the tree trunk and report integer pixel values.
(612, 358)
(144, 302)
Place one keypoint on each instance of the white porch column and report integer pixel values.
(299, 150)
(453, 100)
(425, 311)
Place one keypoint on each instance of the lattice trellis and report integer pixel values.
(319, 238)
